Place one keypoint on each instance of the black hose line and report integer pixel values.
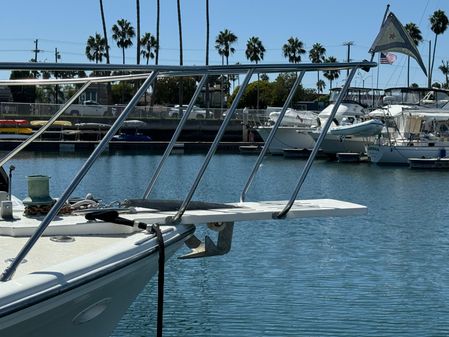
(160, 279)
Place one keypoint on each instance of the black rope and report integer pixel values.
(160, 279)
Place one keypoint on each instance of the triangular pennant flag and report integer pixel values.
(394, 37)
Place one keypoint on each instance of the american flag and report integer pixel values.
(387, 58)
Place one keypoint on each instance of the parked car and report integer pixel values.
(88, 108)
(196, 113)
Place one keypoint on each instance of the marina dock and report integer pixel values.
(150, 146)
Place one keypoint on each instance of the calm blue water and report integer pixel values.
(382, 274)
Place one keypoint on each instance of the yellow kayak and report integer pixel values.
(22, 131)
(56, 123)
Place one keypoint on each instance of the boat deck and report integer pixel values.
(229, 212)
(91, 236)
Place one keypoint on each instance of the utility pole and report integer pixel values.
(36, 49)
(348, 44)
(429, 72)
(57, 57)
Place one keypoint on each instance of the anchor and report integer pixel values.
(208, 247)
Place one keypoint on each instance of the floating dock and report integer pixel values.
(348, 157)
(141, 146)
(429, 163)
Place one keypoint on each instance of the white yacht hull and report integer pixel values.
(286, 138)
(333, 144)
(386, 154)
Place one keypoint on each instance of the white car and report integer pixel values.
(88, 108)
(196, 113)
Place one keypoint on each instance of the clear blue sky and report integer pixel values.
(66, 25)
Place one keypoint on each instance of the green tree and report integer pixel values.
(149, 44)
(123, 33)
(122, 92)
(445, 70)
(438, 24)
(23, 94)
(255, 52)
(95, 48)
(293, 50)
(331, 75)
(168, 89)
(415, 33)
(223, 43)
(320, 85)
(317, 55)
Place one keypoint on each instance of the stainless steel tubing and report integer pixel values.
(283, 213)
(41, 130)
(174, 137)
(271, 136)
(213, 147)
(9, 271)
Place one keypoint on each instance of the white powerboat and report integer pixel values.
(72, 267)
(288, 134)
(354, 106)
(350, 130)
(292, 117)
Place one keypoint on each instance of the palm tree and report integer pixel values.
(138, 31)
(95, 48)
(293, 50)
(104, 32)
(439, 23)
(223, 44)
(415, 33)
(149, 44)
(321, 85)
(207, 32)
(207, 58)
(122, 33)
(180, 55)
(445, 70)
(331, 74)
(158, 15)
(255, 53)
(317, 55)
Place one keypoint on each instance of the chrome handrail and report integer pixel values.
(212, 149)
(288, 206)
(156, 71)
(174, 137)
(9, 271)
(271, 135)
(44, 127)
(188, 70)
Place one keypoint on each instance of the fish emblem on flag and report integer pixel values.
(394, 38)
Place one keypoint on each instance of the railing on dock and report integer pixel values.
(149, 76)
